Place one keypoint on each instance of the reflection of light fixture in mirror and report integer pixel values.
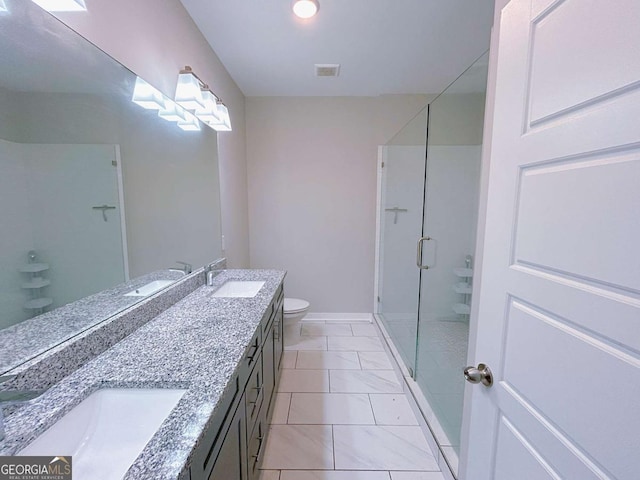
(3, 6)
(62, 5)
(305, 8)
(190, 123)
(172, 112)
(146, 96)
(209, 113)
(188, 92)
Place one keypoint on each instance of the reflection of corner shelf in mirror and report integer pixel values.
(38, 302)
(34, 267)
(37, 282)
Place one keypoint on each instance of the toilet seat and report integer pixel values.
(295, 305)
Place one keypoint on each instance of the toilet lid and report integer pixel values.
(294, 305)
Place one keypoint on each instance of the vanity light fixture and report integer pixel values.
(209, 114)
(62, 5)
(146, 96)
(305, 8)
(3, 6)
(188, 93)
(200, 102)
(225, 123)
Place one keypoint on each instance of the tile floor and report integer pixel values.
(340, 412)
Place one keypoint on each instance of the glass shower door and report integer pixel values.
(454, 145)
(401, 212)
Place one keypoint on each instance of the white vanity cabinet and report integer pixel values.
(232, 446)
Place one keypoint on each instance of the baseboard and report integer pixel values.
(338, 317)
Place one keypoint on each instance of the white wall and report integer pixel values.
(155, 39)
(312, 191)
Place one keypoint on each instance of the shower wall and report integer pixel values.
(451, 217)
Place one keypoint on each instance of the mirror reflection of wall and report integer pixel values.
(72, 146)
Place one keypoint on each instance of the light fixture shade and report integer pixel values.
(188, 93)
(305, 8)
(62, 5)
(209, 114)
(3, 6)
(190, 123)
(172, 112)
(225, 124)
(146, 96)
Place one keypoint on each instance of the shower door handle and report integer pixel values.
(419, 254)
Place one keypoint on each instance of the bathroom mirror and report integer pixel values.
(98, 196)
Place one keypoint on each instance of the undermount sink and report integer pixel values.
(149, 289)
(236, 288)
(106, 432)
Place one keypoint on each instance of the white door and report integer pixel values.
(559, 300)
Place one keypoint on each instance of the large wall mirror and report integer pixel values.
(98, 196)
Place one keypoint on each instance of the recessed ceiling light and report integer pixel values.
(305, 8)
(62, 5)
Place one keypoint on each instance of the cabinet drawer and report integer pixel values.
(205, 455)
(254, 394)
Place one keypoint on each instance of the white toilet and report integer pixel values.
(294, 310)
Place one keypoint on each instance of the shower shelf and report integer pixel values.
(463, 288)
(463, 272)
(37, 282)
(34, 267)
(38, 303)
(462, 309)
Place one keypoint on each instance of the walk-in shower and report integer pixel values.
(429, 187)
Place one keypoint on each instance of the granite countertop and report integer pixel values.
(20, 342)
(196, 344)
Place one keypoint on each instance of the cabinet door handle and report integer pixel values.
(253, 354)
(259, 390)
(276, 330)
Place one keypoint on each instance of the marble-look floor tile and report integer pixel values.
(375, 361)
(330, 408)
(306, 343)
(364, 381)
(392, 410)
(269, 475)
(416, 476)
(364, 330)
(328, 360)
(299, 447)
(289, 359)
(314, 381)
(333, 475)
(292, 330)
(281, 408)
(382, 448)
(336, 329)
(356, 344)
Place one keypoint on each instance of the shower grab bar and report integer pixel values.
(419, 254)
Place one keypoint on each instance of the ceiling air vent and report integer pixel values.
(327, 70)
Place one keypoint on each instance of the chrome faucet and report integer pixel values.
(187, 267)
(12, 397)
